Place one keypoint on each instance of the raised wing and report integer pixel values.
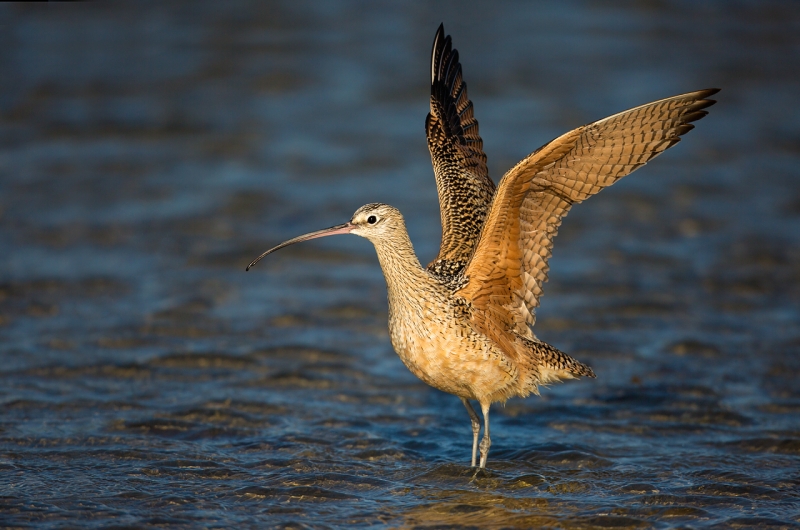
(505, 275)
(465, 189)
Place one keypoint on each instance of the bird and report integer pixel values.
(463, 324)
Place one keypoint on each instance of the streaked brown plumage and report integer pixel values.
(462, 179)
(463, 324)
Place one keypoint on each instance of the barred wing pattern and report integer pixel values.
(503, 280)
(459, 163)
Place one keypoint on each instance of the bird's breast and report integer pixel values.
(438, 345)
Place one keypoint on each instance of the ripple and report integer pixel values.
(202, 361)
(753, 522)
(381, 454)
(704, 417)
(638, 488)
(766, 445)
(734, 490)
(160, 427)
(612, 521)
(302, 493)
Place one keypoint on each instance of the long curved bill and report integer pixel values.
(332, 231)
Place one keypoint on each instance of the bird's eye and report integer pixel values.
(372, 219)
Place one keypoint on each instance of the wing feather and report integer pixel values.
(459, 163)
(504, 277)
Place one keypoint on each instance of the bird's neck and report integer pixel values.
(401, 267)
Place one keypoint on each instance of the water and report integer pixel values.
(149, 152)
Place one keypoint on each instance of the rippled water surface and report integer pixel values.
(148, 152)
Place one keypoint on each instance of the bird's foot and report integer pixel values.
(475, 475)
(480, 472)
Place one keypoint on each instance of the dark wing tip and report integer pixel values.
(695, 111)
(694, 116)
(449, 100)
(702, 101)
(680, 130)
(436, 51)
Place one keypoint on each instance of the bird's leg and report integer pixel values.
(486, 442)
(476, 428)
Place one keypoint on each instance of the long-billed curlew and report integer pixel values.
(463, 323)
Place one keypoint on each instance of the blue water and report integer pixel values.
(148, 152)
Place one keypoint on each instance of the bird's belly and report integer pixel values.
(452, 359)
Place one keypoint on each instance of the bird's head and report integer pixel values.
(375, 221)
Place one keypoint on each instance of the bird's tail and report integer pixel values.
(553, 364)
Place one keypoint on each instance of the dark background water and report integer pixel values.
(149, 151)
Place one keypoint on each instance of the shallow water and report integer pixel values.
(148, 153)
